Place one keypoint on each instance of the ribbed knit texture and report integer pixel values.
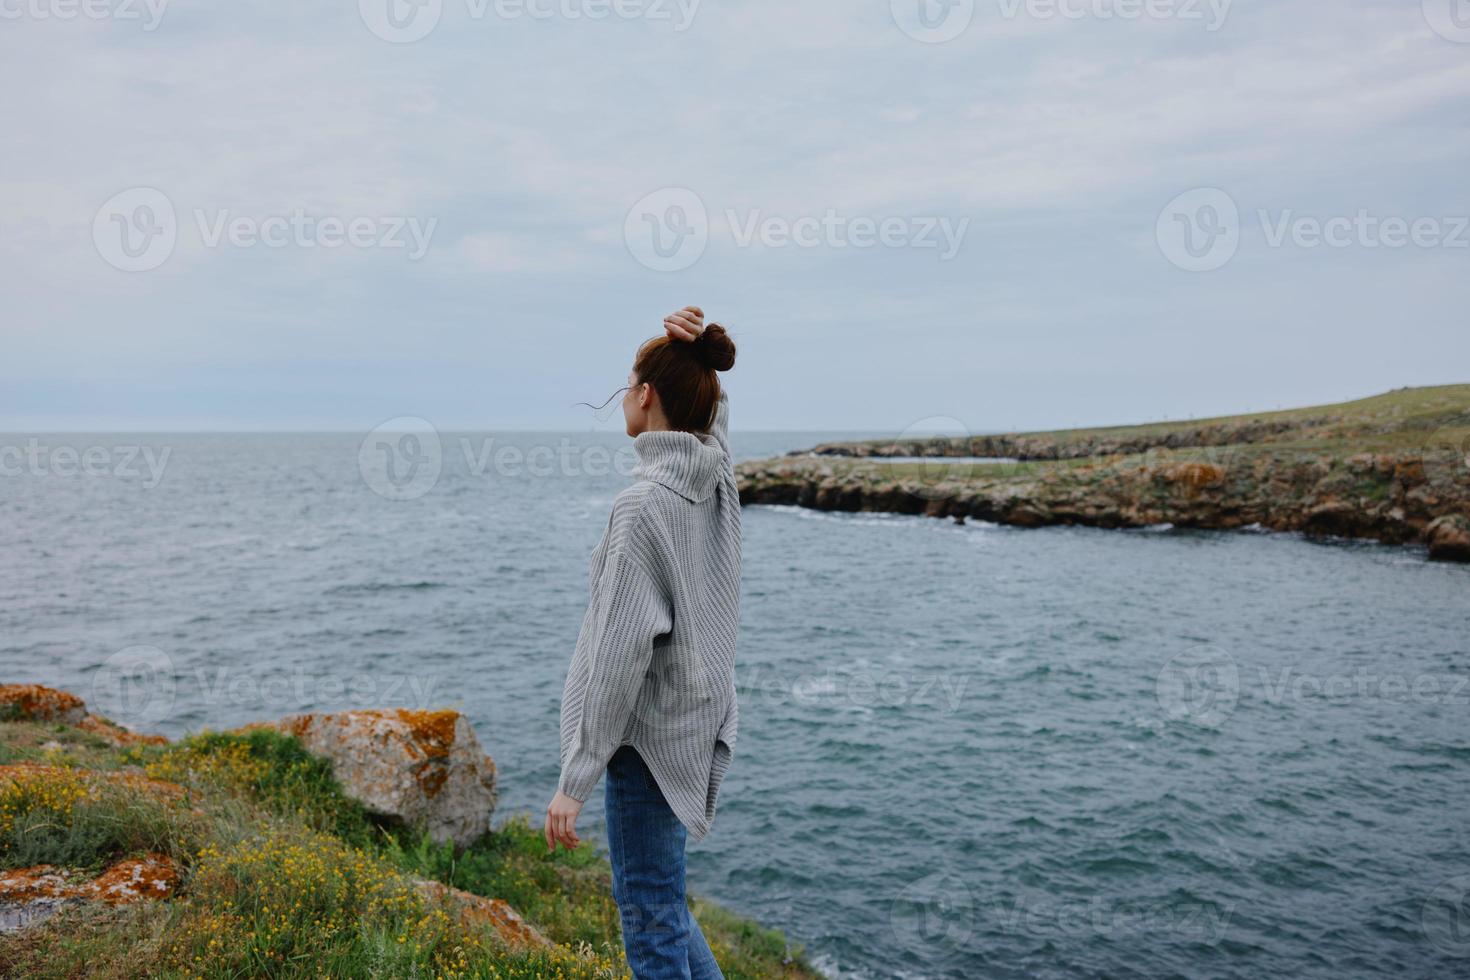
(654, 665)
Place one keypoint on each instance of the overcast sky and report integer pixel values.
(322, 215)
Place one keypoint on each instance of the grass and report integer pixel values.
(271, 769)
(569, 898)
(283, 875)
(50, 744)
(60, 817)
(1397, 420)
(1407, 410)
(1430, 424)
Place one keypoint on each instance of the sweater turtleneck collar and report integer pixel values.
(686, 463)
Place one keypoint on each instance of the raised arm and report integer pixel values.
(687, 325)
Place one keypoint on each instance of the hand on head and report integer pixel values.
(686, 324)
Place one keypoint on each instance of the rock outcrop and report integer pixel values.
(1383, 497)
(1449, 539)
(1075, 444)
(1395, 468)
(31, 895)
(477, 911)
(32, 702)
(425, 768)
(421, 767)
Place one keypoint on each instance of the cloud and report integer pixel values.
(526, 140)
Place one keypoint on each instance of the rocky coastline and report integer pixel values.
(346, 844)
(1394, 468)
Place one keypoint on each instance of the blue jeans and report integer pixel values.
(646, 846)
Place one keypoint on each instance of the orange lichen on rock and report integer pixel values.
(36, 703)
(117, 734)
(433, 734)
(477, 911)
(1409, 472)
(1195, 476)
(432, 729)
(33, 702)
(432, 778)
(297, 725)
(129, 880)
(37, 881)
(133, 879)
(422, 767)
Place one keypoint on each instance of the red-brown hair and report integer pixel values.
(683, 374)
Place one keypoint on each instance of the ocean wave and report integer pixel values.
(371, 587)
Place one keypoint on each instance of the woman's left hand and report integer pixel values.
(561, 822)
(686, 324)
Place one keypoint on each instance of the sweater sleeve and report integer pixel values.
(628, 611)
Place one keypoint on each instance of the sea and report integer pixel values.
(964, 750)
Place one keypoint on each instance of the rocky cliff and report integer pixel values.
(349, 844)
(1395, 468)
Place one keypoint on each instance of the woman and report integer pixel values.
(650, 694)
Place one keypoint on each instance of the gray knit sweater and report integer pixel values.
(654, 665)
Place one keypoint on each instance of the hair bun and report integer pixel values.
(715, 349)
